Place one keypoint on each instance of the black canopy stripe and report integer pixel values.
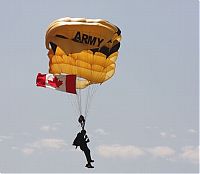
(104, 50)
(115, 48)
(53, 47)
(61, 36)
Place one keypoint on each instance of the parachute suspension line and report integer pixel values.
(70, 97)
(73, 103)
(78, 95)
(89, 88)
(91, 91)
(87, 99)
(90, 95)
(78, 99)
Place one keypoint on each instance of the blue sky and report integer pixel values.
(145, 119)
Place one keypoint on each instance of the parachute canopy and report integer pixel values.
(87, 48)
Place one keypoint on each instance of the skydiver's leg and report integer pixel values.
(87, 155)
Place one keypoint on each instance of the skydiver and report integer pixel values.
(81, 120)
(82, 140)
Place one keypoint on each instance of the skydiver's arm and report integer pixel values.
(86, 139)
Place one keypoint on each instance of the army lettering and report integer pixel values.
(87, 39)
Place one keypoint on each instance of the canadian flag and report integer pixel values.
(65, 83)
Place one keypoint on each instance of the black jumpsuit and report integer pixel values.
(84, 147)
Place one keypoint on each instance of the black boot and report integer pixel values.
(89, 166)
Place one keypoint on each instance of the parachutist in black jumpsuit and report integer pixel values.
(83, 139)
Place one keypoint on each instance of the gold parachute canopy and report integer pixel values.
(87, 48)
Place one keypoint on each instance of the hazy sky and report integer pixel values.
(145, 119)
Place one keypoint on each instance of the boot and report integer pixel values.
(89, 166)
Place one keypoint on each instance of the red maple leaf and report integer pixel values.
(56, 83)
